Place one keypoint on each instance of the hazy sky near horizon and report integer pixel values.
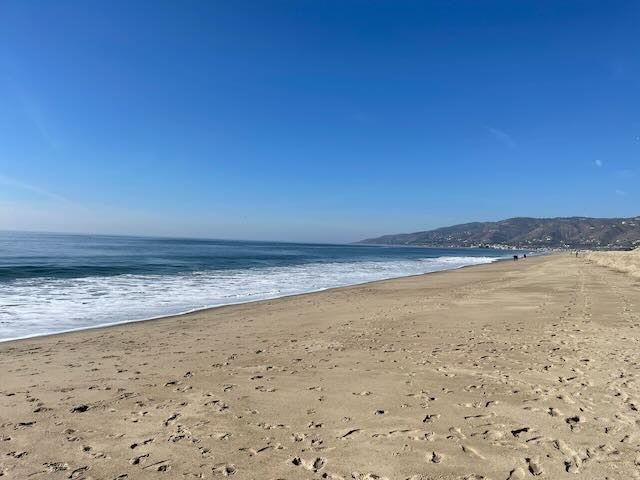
(315, 120)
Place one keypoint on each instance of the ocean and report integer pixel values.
(58, 282)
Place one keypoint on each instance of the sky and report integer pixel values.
(315, 120)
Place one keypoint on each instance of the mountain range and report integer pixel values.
(525, 232)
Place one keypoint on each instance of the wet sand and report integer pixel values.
(513, 370)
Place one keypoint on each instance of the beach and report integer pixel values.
(510, 370)
(628, 262)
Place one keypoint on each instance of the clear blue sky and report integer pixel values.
(315, 120)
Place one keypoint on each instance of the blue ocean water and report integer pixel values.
(57, 282)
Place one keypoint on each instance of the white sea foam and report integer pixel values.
(39, 306)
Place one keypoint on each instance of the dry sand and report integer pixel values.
(628, 262)
(512, 370)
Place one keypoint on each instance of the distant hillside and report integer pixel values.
(571, 232)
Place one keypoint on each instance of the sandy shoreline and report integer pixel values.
(230, 304)
(507, 370)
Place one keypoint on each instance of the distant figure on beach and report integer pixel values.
(576, 253)
(524, 255)
(515, 258)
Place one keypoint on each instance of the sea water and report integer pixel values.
(57, 282)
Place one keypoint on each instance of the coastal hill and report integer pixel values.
(569, 232)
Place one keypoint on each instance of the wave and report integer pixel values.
(41, 305)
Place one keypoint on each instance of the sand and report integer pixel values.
(513, 370)
(628, 262)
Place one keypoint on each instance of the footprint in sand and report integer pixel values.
(367, 476)
(78, 473)
(471, 452)
(517, 474)
(349, 433)
(298, 437)
(171, 419)
(139, 459)
(455, 432)
(89, 451)
(313, 465)
(534, 466)
(516, 432)
(56, 466)
(435, 457)
(430, 418)
(143, 442)
(161, 466)
(19, 454)
(224, 469)
(574, 422)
